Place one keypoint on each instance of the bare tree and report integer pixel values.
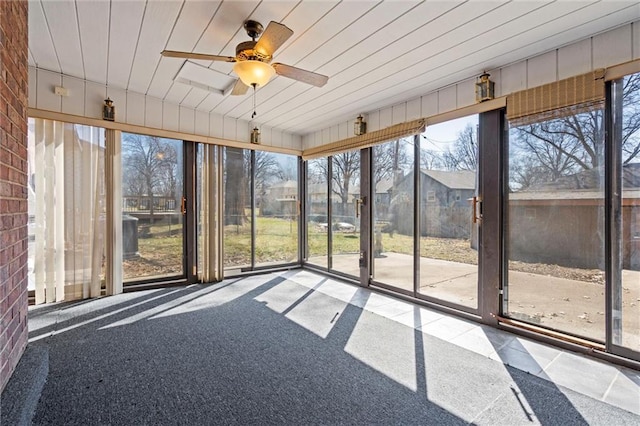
(391, 160)
(150, 165)
(525, 172)
(464, 155)
(289, 170)
(574, 142)
(431, 160)
(317, 170)
(552, 153)
(267, 171)
(346, 172)
(631, 118)
(565, 145)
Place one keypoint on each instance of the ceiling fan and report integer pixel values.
(253, 58)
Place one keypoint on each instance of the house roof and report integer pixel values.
(556, 195)
(459, 179)
(631, 175)
(565, 196)
(590, 179)
(287, 184)
(584, 185)
(585, 179)
(384, 186)
(316, 188)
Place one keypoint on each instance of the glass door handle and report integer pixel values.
(183, 206)
(475, 201)
(359, 203)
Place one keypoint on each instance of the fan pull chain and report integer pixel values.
(254, 101)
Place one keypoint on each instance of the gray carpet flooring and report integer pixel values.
(233, 360)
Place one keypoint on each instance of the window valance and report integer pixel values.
(368, 139)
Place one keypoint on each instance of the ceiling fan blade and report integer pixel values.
(272, 38)
(239, 88)
(201, 56)
(299, 74)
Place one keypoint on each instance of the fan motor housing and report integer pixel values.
(245, 51)
(253, 28)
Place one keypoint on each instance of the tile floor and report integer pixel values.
(602, 381)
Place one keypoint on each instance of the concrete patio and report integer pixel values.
(562, 304)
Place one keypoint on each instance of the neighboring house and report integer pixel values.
(317, 204)
(445, 201)
(280, 199)
(537, 221)
(382, 200)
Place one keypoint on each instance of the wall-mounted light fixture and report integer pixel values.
(108, 110)
(484, 88)
(255, 136)
(359, 126)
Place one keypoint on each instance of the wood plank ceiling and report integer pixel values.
(376, 53)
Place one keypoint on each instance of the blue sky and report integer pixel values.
(440, 137)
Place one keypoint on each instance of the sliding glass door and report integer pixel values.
(238, 209)
(403, 215)
(346, 203)
(333, 206)
(317, 208)
(394, 213)
(261, 209)
(277, 209)
(449, 212)
(532, 222)
(154, 208)
(424, 237)
(624, 296)
(555, 230)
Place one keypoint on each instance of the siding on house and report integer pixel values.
(539, 218)
(444, 200)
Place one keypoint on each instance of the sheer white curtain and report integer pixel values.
(67, 204)
(209, 212)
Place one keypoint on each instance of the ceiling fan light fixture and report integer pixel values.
(252, 63)
(254, 72)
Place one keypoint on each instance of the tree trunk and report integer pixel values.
(234, 195)
(150, 195)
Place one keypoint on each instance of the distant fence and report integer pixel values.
(160, 204)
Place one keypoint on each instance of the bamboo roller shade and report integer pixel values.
(582, 90)
(368, 139)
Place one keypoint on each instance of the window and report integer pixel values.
(152, 227)
(555, 223)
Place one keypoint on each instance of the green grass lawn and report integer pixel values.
(276, 242)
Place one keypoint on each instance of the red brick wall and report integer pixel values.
(13, 181)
